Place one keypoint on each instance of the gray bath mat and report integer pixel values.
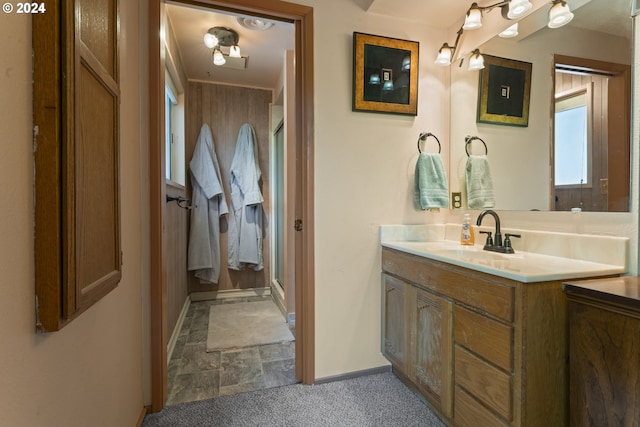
(246, 324)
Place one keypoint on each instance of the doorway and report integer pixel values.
(591, 137)
(302, 18)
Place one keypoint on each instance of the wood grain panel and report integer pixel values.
(544, 350)
(476, 289)
(604, 367)
(485, 382)
(486, 337)
(225, 109)
(98, 31)
(470, 413)
(395, 330)
(432, 355)
(176, 266)
(97, 227)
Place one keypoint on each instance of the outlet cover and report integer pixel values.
(456, 200)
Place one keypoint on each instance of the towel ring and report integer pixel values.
(469, 139)
(423, 137)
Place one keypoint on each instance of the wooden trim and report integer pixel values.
(143, 412)
(230, 293)
(356, 374)
(302, 16)
(47, 124)
(176, 331)
(157, 278)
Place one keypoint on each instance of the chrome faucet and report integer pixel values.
(495, 244)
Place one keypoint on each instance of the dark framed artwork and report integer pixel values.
(385, 74)
(504, 90)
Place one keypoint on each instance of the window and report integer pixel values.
(572, 138)
(174, 130)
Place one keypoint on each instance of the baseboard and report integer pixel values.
(143, 412)
(278, 298)
(231, 293)
(171, 345)
(354, 374)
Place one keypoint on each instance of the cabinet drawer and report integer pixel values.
(488, 293)
(470, 413)
(486, 337)
(485, 382)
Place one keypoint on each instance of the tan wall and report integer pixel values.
(225, 109)
(90, 372)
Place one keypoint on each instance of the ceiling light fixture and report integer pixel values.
(518, 8)
(559, 14)
(446, 52)
(217, 37)
(476, 61)
(511, 9)
(474, 18)
(512, 31)
(218, 57)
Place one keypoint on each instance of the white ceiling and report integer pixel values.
(265, 49)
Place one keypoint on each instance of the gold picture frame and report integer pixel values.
(504, 91)
(385, 74)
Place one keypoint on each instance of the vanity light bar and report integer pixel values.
(559, 15)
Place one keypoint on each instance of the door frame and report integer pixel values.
(302, 18)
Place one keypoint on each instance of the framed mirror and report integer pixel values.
(523, 159)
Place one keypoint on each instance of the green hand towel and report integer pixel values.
(479, 183)
(430, 188)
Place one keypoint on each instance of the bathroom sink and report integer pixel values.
(521, 266)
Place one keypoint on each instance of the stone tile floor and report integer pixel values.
(195, 374)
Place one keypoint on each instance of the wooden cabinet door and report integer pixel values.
(395, 331)
(431, 362)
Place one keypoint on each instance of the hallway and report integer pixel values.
(195, 374)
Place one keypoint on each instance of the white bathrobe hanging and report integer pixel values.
(245, 220)
(209, 205)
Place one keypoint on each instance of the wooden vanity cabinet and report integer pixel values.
(604, 350)
(481, 349)
(416, 338)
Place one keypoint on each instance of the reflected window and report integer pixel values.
(572, 163)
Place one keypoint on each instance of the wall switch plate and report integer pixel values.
(456, 200)
(604, 186)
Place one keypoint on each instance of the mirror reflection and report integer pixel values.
(574, 153)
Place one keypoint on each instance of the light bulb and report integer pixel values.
(559, 14)
(210, 40)
(406, 63)
(518, 8)
(374, 79)
(444, 55)
(512, 31)
(474, 18)
(234, 51)
(218, 58)
(476, 61)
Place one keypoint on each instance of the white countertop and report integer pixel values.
(522, 266)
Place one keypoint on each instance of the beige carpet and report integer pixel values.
(246, 324)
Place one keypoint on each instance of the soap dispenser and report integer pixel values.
(467, 236)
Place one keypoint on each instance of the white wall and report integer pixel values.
(90, 372)
(364, 166)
